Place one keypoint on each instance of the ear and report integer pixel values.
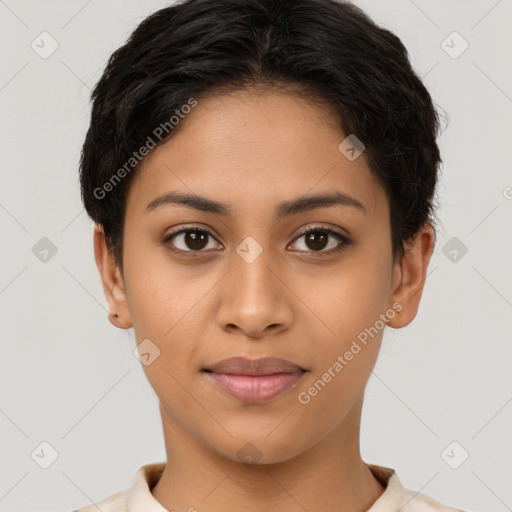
(113, 283)
(409, 276)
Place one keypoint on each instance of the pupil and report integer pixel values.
(312, 237)
(196, 240)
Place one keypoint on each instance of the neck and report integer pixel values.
(329, 476)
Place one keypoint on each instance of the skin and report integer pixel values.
(252, 151)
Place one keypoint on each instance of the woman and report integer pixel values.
(261, 174)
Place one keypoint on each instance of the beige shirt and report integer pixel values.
(138, 497)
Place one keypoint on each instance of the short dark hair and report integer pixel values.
(326, 50)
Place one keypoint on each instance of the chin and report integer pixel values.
(259, 449)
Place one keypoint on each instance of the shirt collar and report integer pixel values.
(391, 499)
(139, 495)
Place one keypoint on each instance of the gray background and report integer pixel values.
(69, 378)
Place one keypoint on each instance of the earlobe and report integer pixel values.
(409, 276)
(112, 281)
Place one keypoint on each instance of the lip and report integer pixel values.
(255, 380)
(261, 366)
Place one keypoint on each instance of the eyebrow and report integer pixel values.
(284, 209)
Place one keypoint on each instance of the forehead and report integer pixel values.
(250, 150)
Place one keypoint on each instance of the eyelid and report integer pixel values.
(192, 227)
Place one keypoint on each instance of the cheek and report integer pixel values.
(329, 395)
(165, 304)
(349, 307)
(348, 349)
(154, 290)
(350, 298)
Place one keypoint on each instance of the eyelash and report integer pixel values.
(345, 242)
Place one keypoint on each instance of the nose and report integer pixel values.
(255, 299)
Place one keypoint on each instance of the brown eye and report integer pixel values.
(190, 240)
(196, 240)
(317, 239)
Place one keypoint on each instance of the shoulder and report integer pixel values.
(115, 503)
(416, 502)
(395, 497)
(136, 497)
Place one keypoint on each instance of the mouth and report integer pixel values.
(255, 380)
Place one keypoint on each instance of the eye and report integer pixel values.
(191, 240)
(317, 238)
(195, 240)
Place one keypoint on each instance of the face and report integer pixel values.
(204, 285)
